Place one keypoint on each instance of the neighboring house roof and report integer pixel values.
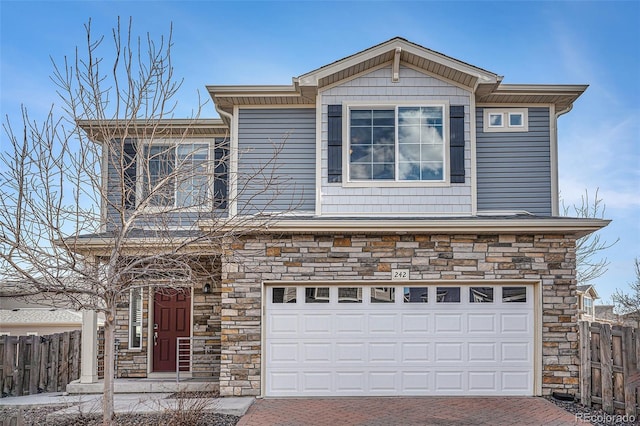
(588, 290)
(39, 316)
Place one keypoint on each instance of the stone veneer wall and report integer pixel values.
(206, 323)
(306, 258)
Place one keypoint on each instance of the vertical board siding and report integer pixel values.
(276, 160)
(514, 168)
(413, 87)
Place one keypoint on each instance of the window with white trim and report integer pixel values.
(175, 175)
(135, 318)
(397, 143)
(506, 120)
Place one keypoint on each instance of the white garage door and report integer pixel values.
(399, 340)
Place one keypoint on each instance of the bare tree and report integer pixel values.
(590, 263)
(628, 304)
(93, 202)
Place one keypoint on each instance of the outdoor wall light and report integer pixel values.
(206, 289)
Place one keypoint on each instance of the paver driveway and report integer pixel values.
(406, 411)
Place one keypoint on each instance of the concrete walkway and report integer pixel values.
(448, 411)
(126, 403)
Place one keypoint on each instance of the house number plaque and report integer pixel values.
(399, 274)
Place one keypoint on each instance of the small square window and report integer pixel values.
(448, 294)
(495, 120)
(350, 295)
(283, 295)
(416, 294)
(383, 295)
(516, 119)
(481, 294)
(316, 295)
(514, 294)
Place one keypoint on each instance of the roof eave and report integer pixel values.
(576, 227)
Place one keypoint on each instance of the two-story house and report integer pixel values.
(417, 249)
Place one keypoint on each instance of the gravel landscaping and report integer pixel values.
(594, 416)
(37, 417)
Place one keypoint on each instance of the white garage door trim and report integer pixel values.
(353, 349)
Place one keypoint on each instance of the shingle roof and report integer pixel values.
(39, 316)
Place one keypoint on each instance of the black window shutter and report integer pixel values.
(129, 149)
(221, 174)
(334, 114)
(456, 143)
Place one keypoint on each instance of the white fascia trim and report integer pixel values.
(244, 90)
(577, 226)
(537, 89)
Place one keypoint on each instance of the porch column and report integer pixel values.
(88, 357)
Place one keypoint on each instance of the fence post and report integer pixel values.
(585, 362)
(629, 363)
(606, 366)
(34, 370)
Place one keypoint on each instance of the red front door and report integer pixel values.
(172, 319)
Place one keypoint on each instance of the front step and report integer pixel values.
(143, 385)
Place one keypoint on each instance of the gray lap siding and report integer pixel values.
(548, 259)
(514, 168)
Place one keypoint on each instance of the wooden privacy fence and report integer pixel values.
(609, 374)
(34, 364)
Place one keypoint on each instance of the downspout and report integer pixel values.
(233, 162)
(555, 202)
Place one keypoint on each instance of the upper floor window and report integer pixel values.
(588, 305)
(397, 143)
(175, 175)
(505, 120)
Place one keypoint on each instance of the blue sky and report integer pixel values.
(268, 42)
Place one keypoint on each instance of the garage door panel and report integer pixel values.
(383, 353)
(448, 323)
(317, 324)
(449, 381)
(317, 352)
(415, 323)
(386, 349)
(350, 353)
(515, 323)
(415, 352)
(516, 352)
(415, 382)
(482, 352)
(481, 323)
(382, 323)
(383, 381)
(349, 324)
(483, 381)
(448, 352)
(317, 381)
(516, 381)
(349, 382)
(280, 353)
(283, 325)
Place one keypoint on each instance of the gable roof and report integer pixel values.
(588, 289)
(485, 84)
(410, 53)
